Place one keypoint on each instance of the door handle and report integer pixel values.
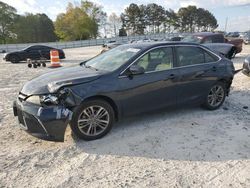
(170, 77)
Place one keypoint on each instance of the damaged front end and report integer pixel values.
(45, 116)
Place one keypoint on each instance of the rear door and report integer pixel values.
(154, 89)
(45, 52)
(198, 69)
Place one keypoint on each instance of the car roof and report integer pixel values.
(206, 34)
(145, 45)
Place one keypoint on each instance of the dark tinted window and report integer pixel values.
(157, 60)
(207, 40)
(34, 48)
(218, 38)
(188, 55)
(210, 57)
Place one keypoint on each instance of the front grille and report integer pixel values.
(22, 97)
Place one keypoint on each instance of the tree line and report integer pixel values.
(153, 18)
(87, 20)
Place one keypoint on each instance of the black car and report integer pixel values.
(246, 66)
(32, 52)
(127, 80)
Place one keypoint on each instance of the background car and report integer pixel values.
(34, 52)
(246, 66)
(127, 80)
(225, 49)
(233, 34)
(209, 37)
(246, 38)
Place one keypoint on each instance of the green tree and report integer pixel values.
(34, 28)
(133, 19)
(122, 32)
(7, 18)
(171, 21)
(75, 24)
(155, 15)
(95, 12)
(192, 19)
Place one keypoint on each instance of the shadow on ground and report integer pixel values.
(191, 134)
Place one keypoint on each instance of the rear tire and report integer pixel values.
(92, 120)
(216, 96)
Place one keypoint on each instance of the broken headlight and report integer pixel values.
(35, 99)
(49, 99)
(43, 99)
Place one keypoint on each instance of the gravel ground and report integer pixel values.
(188, 147)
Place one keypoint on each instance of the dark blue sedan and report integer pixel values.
(127, 80)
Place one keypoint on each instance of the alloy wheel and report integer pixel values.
(216, 96)
(93, 120)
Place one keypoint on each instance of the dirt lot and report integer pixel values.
(188, 147)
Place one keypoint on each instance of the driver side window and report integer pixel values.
(157, 60)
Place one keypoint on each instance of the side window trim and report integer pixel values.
(175, 63)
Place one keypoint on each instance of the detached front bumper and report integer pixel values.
(47, 123)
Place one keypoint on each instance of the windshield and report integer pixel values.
(112, 59)
(192, 38)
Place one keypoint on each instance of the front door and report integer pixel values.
(154, 89)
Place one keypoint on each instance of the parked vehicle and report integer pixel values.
(246, 66)
(233, 34)
(246, 38)
(208, 37)
(225, 49)
(111, 44)
(127, 80)
(34, 52)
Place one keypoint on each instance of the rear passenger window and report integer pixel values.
(210, 58)
(188, 55)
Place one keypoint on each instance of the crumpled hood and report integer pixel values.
(52, 81)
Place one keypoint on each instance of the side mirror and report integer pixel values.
(136, 70)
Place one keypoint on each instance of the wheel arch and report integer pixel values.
(227, 83)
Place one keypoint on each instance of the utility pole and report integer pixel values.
(226, 24)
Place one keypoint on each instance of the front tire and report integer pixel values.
(92, 120)
(14, 59)
(216, 96)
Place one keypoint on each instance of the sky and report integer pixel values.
(237, 12)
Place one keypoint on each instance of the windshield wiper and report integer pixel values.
(90, 67)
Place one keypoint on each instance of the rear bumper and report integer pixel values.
(47, 123)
